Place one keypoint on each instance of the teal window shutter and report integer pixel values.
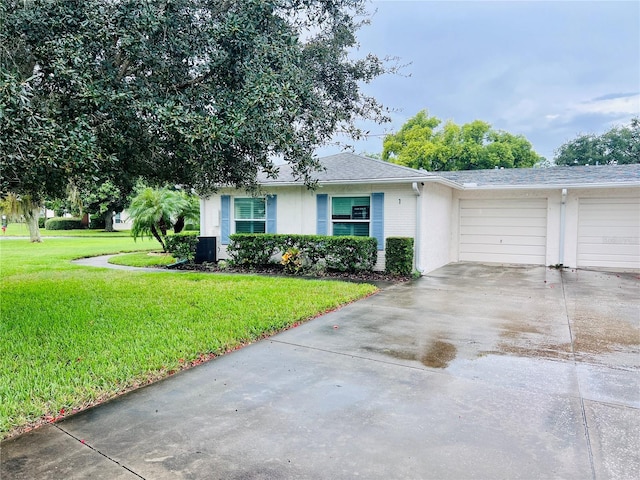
(225, 219)
(272, 213)
(377, 220)
(322, 214)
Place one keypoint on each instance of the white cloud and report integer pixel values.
(629, 105)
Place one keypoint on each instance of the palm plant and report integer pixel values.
(156, 211)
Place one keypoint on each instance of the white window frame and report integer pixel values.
(253, 219)
(349, 220)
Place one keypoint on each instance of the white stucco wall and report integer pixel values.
(438, 231)
(435, 227)
(296, 210)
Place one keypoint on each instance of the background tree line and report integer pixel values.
(425, 142)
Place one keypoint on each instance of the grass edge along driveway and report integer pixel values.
(74, 336)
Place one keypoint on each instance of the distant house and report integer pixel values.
(122, 221)
(575, 216)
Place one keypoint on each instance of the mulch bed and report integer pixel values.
(275, 269)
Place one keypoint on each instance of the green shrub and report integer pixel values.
(96, 222)
(344, 254)
(252, 250)
(182, 246)
(63, 223)
(41, 221)
(399, 255)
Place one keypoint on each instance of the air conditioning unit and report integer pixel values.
(206, 250)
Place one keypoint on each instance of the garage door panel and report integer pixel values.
(607, 223)
(601, 202)
(539, 212)
(609, 232)
(506, 249)
(507, 203)
(507, 232)
(595, 250)
(509, 239)
(514, 221)
(503, 231)
(493, 258)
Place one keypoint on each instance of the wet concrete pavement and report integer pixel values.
(470, 372)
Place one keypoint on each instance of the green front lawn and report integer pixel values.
(73, 336)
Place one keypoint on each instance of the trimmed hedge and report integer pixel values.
(41, 221)
(399, 255)
(344, 254)
(97, 222)
(63, 223)
(182, 246)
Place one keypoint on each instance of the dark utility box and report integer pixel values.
(206, 250)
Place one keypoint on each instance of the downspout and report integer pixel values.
(417, 243)
(563, 207)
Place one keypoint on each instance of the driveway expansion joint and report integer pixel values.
(83, 442)
(583, 411)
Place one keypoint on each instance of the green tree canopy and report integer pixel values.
(619, 145)
(424, 142)
(192, 92)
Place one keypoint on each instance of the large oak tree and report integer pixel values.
(193, 92)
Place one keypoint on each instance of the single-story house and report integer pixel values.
(582, 216)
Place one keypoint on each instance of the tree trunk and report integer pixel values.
(157, 236)
(108, 221)
(31, 217)
(179, 225)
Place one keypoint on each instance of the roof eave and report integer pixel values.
(548, 186)
(350, 182)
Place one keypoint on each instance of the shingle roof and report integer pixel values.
(553, 176)
(351, 168)
(345, 168)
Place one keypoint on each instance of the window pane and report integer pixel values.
(357, 229)
(249, 208)
(244, 226)
(350, 208)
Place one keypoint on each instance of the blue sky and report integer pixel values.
(548, 70)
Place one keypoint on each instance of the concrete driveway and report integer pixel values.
(471, 372)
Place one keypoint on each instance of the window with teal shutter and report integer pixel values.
(322, 213)
(377, 221)
(225, 220)
(272, 211)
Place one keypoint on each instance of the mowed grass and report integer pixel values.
(72, 336)
(143, 259)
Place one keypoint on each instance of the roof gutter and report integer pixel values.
(549, 186)
(563, 209)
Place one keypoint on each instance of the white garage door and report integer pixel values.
(609, 232)
(504, 231)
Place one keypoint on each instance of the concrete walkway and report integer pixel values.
(471, 372)
(102, 261)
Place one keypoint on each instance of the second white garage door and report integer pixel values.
(503, 231)
(609, 232)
